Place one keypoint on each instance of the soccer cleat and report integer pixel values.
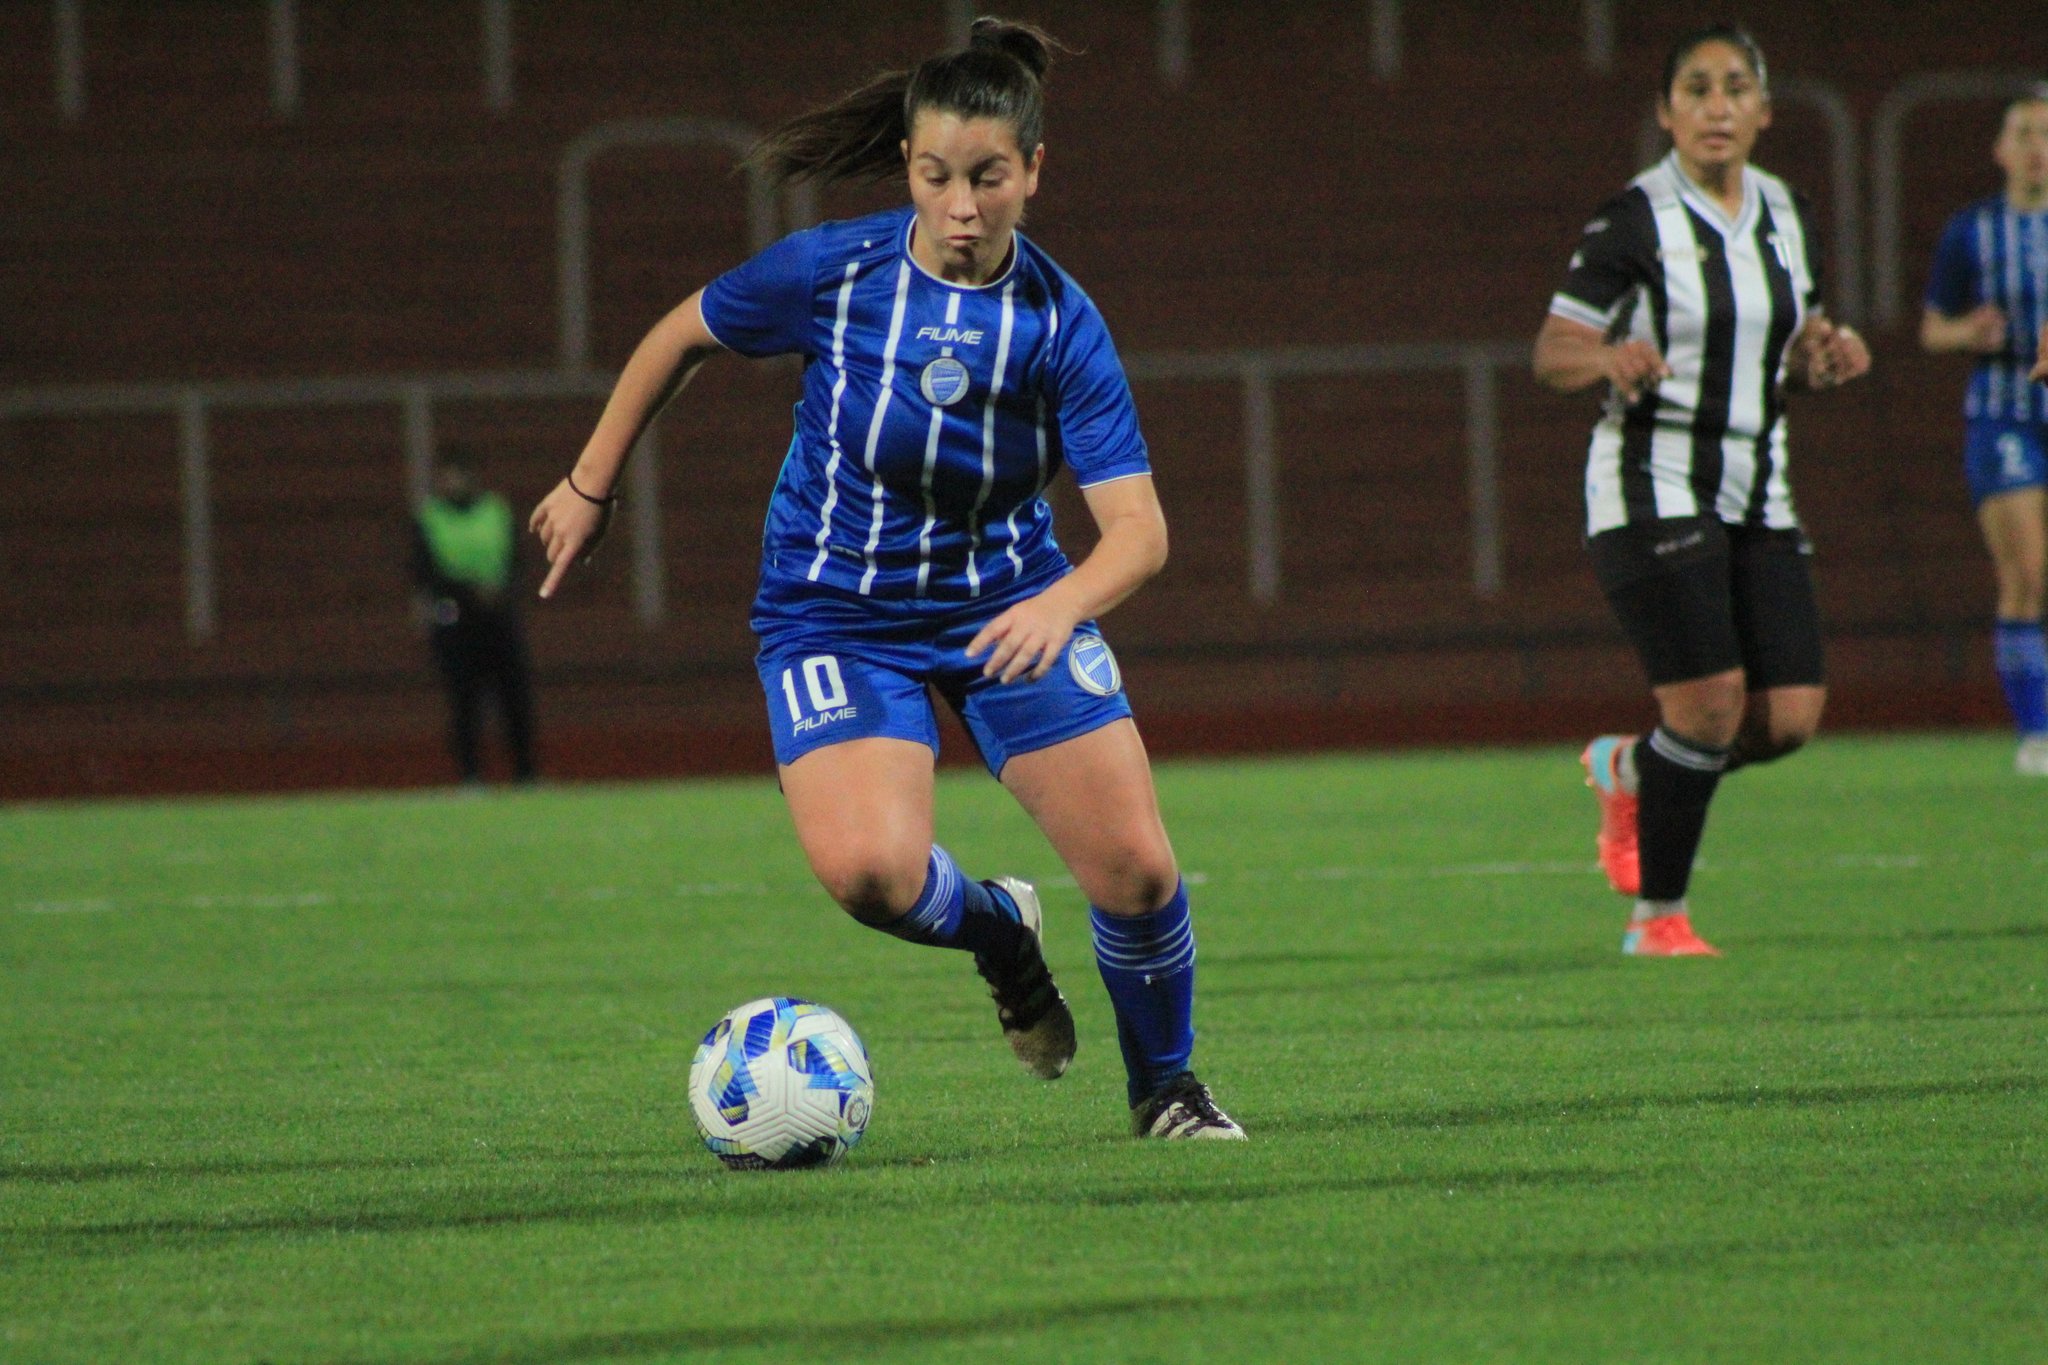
(1183, 1109)
(1034, 1015)
(2031, 759)
(1620, 858)
(1666, 936)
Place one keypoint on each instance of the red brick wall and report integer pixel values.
(182, 230)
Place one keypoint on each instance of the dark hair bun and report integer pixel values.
(1031, 46)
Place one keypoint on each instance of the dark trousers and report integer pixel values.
(479, 656)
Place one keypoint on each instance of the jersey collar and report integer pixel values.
(1705, 204)
(1009, 267)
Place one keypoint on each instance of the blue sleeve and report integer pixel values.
(1952, 289)
(1098, 422)
(764, 307)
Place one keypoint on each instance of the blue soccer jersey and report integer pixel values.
(933, 414)
(1992, 253)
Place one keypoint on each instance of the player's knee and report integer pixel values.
(871, 884)
(1710, 716)
(1134, 877)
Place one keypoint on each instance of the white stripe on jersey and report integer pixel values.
(1752, 291)
(1987, 264)
(832, 423)
(1052, 331)
(867, 580)
(988, 437)
(1685, 315)
(931, 464)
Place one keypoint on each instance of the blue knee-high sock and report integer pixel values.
(2022, 659)
(955, 911)
(1148, 964)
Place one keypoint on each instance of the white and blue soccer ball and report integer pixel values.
(781, 1083)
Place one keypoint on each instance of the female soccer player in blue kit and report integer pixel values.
(950, 369)
(1989, 298)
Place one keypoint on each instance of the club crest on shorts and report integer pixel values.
(1093, 666)
(944, 382)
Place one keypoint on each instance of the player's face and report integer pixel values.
(969, 181)
(1715, 108)
(2022, 150)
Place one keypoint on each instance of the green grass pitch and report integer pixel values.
(400, 1078)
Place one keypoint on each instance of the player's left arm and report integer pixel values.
(2039, 374)
(1026, 640)
(1826, 355)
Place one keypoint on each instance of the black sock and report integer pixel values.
(1677, 778)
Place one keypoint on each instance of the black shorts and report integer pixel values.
(1698, 596)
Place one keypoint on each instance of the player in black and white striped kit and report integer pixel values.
(1695, 296)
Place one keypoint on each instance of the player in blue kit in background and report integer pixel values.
(950, 369)
(1989, 298)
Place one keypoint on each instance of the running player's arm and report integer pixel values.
(1950, 322)
(2039, 374)
(568, 523)
(1026, 640)
(1614, 259)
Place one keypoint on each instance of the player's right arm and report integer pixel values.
(1981, 331)
(1617, 255)
(1571, 355)
(567, 521)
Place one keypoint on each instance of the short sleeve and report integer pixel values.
(764, 307)
(1098, 421)
(1952, 288)
(1816, 256)
(1617, 254)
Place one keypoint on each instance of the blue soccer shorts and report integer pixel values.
(835, 667)
(2002, 457)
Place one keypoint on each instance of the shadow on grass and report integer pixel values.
(1253, 1191)
(845, 1339)
(1632, 1105)
(1491, 968)
(230, 1168)
(1798, 939)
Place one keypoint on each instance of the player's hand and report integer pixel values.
(569, 526)
(1986, 326)
(1025, 641)
(1633, 367)
(2039, 374)
(1834, 355)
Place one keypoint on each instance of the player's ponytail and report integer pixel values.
(859, 136)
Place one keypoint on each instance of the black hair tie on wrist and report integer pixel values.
(610, 501)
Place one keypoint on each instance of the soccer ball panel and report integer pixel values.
(781, 1083)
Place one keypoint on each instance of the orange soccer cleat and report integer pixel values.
(1666, 936)
(1620, 858)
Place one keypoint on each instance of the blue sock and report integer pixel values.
(1148, 964)
(2023, 672)
(955, 911)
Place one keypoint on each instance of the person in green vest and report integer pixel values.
(464, 566)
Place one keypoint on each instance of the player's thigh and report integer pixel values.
(1777, 616)
(1093, 797)
(1668, 584)
(855, 739)
(863, 814)
(2016, 536)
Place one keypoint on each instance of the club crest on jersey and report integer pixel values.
(1093, 667)
(944, 382)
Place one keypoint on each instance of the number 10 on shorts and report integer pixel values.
(823, 687)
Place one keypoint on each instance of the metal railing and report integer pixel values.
(192, 406)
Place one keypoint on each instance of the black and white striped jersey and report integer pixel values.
(1721, 299)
